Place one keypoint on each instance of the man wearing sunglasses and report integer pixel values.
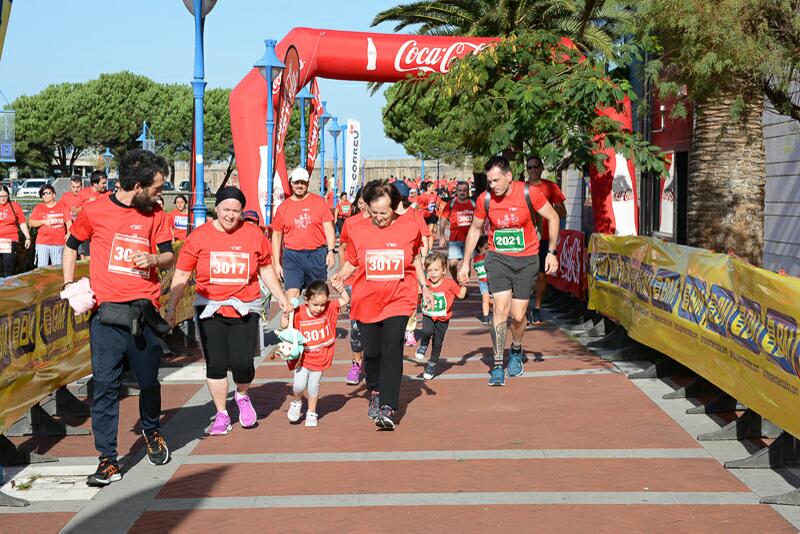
(556, 198)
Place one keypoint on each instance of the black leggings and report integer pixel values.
(230, 343)
(8, 262)
(436, 330)
(383, 357)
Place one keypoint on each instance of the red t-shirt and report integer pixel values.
(512, 231)
(226, 263)
(345, 207)
(427, 203)
(11, 216)
(460, 215)
(384, 282)
(71, 200)
(87, 194)
(443, 297)
(178, 222)
(553, 194)
(117, 232)
(54, 229)
(320, 335)
(301, 222)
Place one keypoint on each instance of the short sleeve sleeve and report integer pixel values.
(36, 212)
(187, 258)
(537, 199)
(325, 211)
(81, 228)
(480, 213)
(446, 210)
(277, 220)
(162, 233)
(19, 213)
(263, 255)
(558, 194)
(351, 255)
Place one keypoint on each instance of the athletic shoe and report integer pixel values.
(386, 418)
(497, 376)
(295, 407)
(157, 450)
(311, 418)
(534, 316)
(411, 339)
(221, 425)
(354, 374)
(420, 354)
(485, 319)
(515, 367)
(247, 414)
(374, 409)
(430, 371)
(107, 472)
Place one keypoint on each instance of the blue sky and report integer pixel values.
(51, 41)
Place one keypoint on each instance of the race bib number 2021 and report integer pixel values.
(386, 264)
(509, 240)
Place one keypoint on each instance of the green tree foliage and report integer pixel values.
(530, 93)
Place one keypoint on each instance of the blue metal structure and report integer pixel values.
(269, 66)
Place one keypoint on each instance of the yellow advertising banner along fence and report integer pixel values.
(733, 324)
(43, 344)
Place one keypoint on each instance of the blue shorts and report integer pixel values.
(455, 250)
(301, 267)
(484, 287)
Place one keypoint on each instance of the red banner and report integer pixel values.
(571, 252)
(313, 126)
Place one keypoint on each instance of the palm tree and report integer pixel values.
(593, 25)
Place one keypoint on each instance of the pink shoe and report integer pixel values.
(354, 374)
(411, 339)
(247, 414)
(221, 426)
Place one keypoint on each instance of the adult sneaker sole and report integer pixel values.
(385, 423)
(227, 430)
(104, 483)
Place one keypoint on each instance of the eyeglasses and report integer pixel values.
(47, 193)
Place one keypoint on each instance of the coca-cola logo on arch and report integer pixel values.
(411, 57)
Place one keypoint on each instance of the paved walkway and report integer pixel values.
(571, 446)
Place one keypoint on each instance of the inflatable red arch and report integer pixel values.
(378, 57)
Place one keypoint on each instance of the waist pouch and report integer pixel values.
(133, 315)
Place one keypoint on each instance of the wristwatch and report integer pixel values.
(552, 251)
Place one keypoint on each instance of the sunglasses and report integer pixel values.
(534, 166)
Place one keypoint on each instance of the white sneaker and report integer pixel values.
(311, 418)
(295, 407)
(419, 356)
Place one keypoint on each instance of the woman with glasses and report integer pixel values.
(11, 221)
(53, 220)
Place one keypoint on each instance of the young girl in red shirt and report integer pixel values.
(316, 320)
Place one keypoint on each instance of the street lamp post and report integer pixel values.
(335, 131)
(107, 157)
(343, 127)
(301, 97)
(422, 170)
(269, 66)
(323, 119)
(199, 9)
(146, 138)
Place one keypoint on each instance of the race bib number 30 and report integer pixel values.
(439, 306)
(229, 268)
(463, 218)
(388, 264)
(5, 246)
(509, 240)
(123, 250)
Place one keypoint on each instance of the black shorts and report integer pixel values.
(515, 273)
(543, 246)
(433, 219)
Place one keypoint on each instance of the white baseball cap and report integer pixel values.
(299, 174)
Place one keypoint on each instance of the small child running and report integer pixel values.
(479, 264)
(316, 320)
(435, 321)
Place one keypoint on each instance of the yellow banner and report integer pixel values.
(5, 15)
(733, 324)
(43, 344)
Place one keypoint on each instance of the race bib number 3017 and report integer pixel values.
(386, 264)
(123, 250)
(229, 268)
(509, 240)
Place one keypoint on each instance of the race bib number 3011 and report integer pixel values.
(386, 264)
(509, 240)
(229, 268)
(123, 250)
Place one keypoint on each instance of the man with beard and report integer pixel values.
(131, 240)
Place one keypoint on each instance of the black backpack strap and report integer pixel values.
(535, 219)
(486, 198)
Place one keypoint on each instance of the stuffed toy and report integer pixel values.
(292, 342)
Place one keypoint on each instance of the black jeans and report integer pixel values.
(230, 343)
(110, 345)
(8, 261)
(383, 357)
(436, 330)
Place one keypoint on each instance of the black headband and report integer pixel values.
(230, 192)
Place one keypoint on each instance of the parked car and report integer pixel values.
(168, 186)
(186, 184)
(31, 186)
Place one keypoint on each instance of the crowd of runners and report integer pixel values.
(387, 270)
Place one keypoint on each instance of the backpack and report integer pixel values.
(534, 216)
